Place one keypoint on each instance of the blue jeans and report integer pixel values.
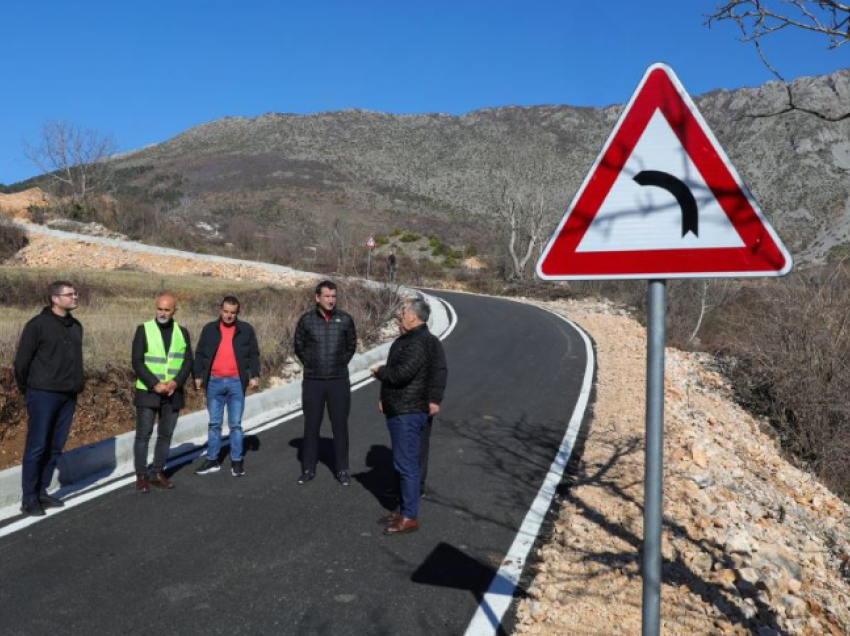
(221, 391)
(50, 416)
(406, 436)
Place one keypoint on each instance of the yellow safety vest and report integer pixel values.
(164, 367)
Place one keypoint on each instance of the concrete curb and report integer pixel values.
(111, 458)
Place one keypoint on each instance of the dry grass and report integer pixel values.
(113, 303)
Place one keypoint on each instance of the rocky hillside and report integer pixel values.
(288, 169)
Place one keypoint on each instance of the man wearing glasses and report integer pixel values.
(49, 372)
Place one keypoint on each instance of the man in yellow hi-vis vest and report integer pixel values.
(162, 361)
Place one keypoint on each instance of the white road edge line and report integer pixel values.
(500, 595)
(99, 489)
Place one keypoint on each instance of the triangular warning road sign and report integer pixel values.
(662, 201)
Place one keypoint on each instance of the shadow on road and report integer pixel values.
(380, 479)
(447, 566)
(326, 451)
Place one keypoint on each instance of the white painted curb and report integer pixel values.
(488, 618)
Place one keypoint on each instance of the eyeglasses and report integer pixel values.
(70, 295)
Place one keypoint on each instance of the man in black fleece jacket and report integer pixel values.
(49, 372)
(405, 398)
(325, 342)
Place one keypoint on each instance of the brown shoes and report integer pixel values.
(388, 520)
(142, 484)
(159, 480)
(402, 526)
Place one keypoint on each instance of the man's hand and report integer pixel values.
(171, 387)
(433, 409)
(253, 383)
(160, 388)
(380, 406)
(199, 384)
(374, 373)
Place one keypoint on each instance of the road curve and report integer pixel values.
(261, 555)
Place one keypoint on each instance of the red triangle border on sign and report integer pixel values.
(762, 254)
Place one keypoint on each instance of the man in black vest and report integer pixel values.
(49, 372)
(162, 364)
(325, 342)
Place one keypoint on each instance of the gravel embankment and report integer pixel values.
(752, 545)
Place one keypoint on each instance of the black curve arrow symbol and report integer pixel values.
(683, 194)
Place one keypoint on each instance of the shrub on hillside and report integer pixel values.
(12, 239)
(787, 349)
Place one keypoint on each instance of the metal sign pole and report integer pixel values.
(368, 263)
(654, 473)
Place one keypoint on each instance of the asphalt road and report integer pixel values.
(262, 555)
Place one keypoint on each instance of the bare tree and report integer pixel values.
(73, 158)
(760, 18)
(524, 203)
(344, 240)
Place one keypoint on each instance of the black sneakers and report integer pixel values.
(208, 467)
(306, 476)
(343, 478)
(237, 468)
(32, 508)
(47, 501)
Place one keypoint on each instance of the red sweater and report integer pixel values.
(224, 365)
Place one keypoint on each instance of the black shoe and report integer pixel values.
(343, 478)
(32, 508)
(47, 501)
(306, 476)
(208, 467)
(237, 469)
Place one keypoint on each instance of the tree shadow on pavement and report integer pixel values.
(676, 571)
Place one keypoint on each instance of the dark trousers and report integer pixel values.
(406, 435)
(424, 448)
(145, 418)
(315, 395)
(50, 416)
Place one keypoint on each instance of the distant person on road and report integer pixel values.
(391, 266)
(49, 372)
(405, 398)
(162, 362)
(325, 342)
(227, 363)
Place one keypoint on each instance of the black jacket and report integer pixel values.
(50, 354)
(406, 378)
(325, 347)
(140, 346)
(245, 347)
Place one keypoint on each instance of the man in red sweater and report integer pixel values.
(227, 362)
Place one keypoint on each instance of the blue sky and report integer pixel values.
(146, 71)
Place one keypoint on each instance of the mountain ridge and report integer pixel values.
(441, 170)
